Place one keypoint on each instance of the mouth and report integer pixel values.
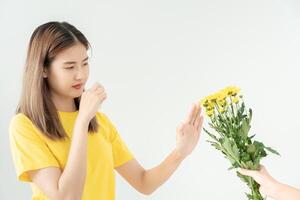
(78, 86)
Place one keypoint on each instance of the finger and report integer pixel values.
(180, 128)
(247, 172)
(104, 95)
(99, 90)
(95, 86)
(200, 123)
(103, 98)
(262, 168)
(189, 118)
(252, 173)
(101, 95)
(198, 115)
(195, 114)
(197, 127)
(262, 192)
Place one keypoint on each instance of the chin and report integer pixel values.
(77, 94)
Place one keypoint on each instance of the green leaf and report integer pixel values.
(211, 135)
(244, 129)
(250, 164)
(252, 136)
(231, 168)
(250, 115)
(251, 148)
(231, 149)
(272, 150)
(215, 144)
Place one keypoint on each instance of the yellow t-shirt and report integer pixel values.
(32, 150)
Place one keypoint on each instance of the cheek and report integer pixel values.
(87, 72)
(60, 81)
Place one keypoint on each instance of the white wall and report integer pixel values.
(157, 57)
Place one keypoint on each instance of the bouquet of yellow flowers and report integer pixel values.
(230, 120)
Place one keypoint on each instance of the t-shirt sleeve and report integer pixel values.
(29, 150)
(121, 152)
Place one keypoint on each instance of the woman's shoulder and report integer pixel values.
(20, 123)
(104, 120)
(101, 116)
(19, 119)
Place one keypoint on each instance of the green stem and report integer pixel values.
(254, 187)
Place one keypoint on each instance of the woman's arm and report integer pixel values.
(270, 187)
(69, 183)
(147, 181)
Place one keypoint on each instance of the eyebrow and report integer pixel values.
(73, 62)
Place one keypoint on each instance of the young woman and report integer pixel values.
(61, 143)
(270, 187)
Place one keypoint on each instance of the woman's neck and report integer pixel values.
(64, 104)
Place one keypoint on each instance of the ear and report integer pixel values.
(45, 73)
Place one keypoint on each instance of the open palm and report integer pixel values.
(188, 132)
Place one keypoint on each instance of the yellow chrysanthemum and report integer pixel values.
(221, 95)
(209, 101)
(231, 90)
(219, 100)
(203, 102)
(222, 102)
(221, 109)
(213, 97)
(209, 113)
(235, 100)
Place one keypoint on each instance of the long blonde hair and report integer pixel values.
(46, 42)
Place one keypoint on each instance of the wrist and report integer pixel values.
(82, 121)
(276, 189)
(178, 155)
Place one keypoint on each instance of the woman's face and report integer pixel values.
(70, 67)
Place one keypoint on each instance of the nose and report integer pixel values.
(80, 74)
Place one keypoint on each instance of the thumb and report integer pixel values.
(180, 128)
(262, 191)
(252, 173)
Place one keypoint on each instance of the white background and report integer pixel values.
(155, 58)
